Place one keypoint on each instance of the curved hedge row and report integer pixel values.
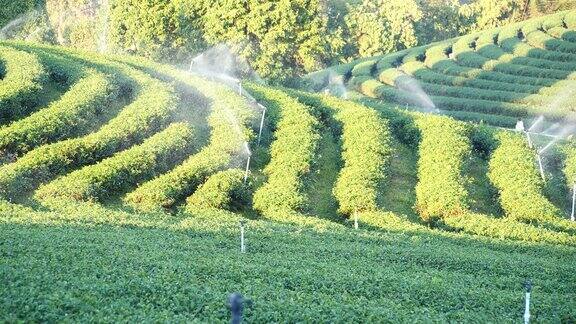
(422, 72)
(562, 33)
(559, 69)
(69, 116)
(513, 171)
(24, 77)
(375, 89)
(366, 151)
(153, 107)
(540, 39)
(166, 190)
(229, 120)
(222, 190)
(292, 152)
(444, 146)
(125, 169)
(506, 229)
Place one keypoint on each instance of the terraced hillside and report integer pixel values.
(122, 183)
(517, 71)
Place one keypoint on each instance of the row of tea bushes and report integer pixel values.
(444, 146)
(24, 78)
(153, 107)
(74, 113)
(366, 151)
(513, 171)
(125, 169)
(291, 153)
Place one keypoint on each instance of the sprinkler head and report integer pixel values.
(528, 285)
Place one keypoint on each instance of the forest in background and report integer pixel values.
(282, 39)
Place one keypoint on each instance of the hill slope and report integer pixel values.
(518, 71)
(122, 188)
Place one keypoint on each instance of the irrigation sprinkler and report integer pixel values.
(261, 122)
(573, 201)
(236, 303)
(247, 162)
(242, 243)
(530, 145)
(541, 166)
(528, 286)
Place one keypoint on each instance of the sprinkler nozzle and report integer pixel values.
(528, 285)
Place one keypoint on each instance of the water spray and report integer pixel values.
(261, 122)
(242, 245)
(573, 201)
(239, 87)
(247, 162)
(355, 219)
(528, 287)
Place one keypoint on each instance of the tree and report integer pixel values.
(281, 39)
(383, 26)
(440, 20)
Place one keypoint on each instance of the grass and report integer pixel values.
(323, 177)
(397, 192)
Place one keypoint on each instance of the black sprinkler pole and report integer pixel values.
(236, 303)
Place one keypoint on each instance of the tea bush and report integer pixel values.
(72, 114)
(125, 169)
(444, 146)
(223, 190)
(153, 107)
(292, 152)
(24, 77)
(514, 172)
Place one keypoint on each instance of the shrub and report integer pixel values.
(72, 114)
(154, 105)
(563, 33)
(125, 169)
(229, 118)
(364, 68)
(222, 190)
(23, 79)
(365, 151)
(506, 229)
(292, 152)
(422, 72)
(513, 172)
(545, 41)
(440, 191)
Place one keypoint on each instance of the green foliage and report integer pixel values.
(124, 170)
(514, 172)
(366, 152)
(228, 120)
(153, 106)
(505, 228)
(146, 258)
(379, 27)
(223, 190)
(74, 113)
(292, 152)
(10, 9)
(159, 29)
(440, 191)
(24, 77)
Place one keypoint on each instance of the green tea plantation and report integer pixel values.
(389, 189)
